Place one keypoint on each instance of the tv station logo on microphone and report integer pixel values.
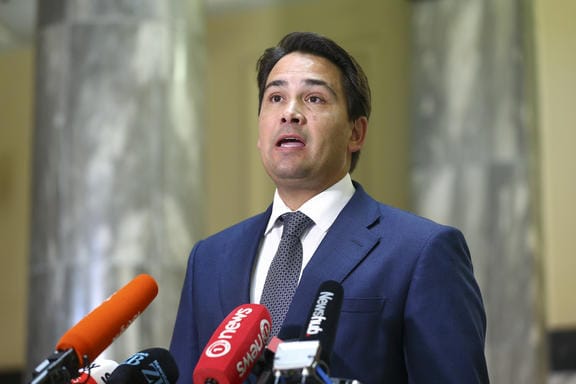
(319, 313)
(218, 348)
(223, 344)
(255, 348)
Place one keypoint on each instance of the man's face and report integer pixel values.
(305, 136)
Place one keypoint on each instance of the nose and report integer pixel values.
(291, 114)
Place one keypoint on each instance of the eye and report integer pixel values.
(315, 99)
(275, 98)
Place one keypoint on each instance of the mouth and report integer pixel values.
(290, 142)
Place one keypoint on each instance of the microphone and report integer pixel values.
(235, 346)
(263, 368)
(307, 359)
(82, 343)
(153, 365)
(97, 373)
(323, 318)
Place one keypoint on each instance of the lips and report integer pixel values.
(290, 142)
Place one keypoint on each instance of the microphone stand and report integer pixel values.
(58, 368)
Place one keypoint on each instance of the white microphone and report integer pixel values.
(96, 373)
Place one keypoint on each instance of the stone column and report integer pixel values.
(117, 162)
(474, 140)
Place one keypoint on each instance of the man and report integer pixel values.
(412, 311)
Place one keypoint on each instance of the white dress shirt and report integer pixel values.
(322, 209)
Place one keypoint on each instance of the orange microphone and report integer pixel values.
(82, 343)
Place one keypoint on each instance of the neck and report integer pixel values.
(294, 198)
(295, 201)
(295, 194)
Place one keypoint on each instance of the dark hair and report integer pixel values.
(354, 81)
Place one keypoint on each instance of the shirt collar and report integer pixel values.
(322, 208)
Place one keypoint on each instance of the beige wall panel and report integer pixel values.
(556, 72)
(16, 73)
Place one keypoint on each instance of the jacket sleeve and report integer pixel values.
(444, 318)
(184, 345)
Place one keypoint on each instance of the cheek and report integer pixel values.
(264, 140)
(261, 133)
(335, 133)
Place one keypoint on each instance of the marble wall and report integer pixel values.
(117, 162)
(473, 140)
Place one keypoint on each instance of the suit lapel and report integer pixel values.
(346, 244)
(237, 262)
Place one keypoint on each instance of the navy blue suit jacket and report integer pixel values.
(412, 310)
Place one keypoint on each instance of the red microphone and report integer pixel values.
(235, 346)
(82, 343)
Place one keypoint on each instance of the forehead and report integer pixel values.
(300, 67)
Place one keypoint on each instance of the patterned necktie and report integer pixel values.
(284, 272)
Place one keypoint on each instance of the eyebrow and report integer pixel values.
(322, 83)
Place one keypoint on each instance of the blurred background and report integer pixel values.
(128, 132)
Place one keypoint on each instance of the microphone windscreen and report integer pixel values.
(323, 317)
(98, 372)
(97, 330)
(235, 346)
(153, 365)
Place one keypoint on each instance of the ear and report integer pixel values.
(358, 134)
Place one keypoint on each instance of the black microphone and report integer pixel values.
(153, 365)
(323, 318)
(307, 359)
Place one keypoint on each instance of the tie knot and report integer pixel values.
(295, 223)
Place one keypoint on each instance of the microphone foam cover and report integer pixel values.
(97, 330)
(324, 316)
(235, 346)
(153, 365)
